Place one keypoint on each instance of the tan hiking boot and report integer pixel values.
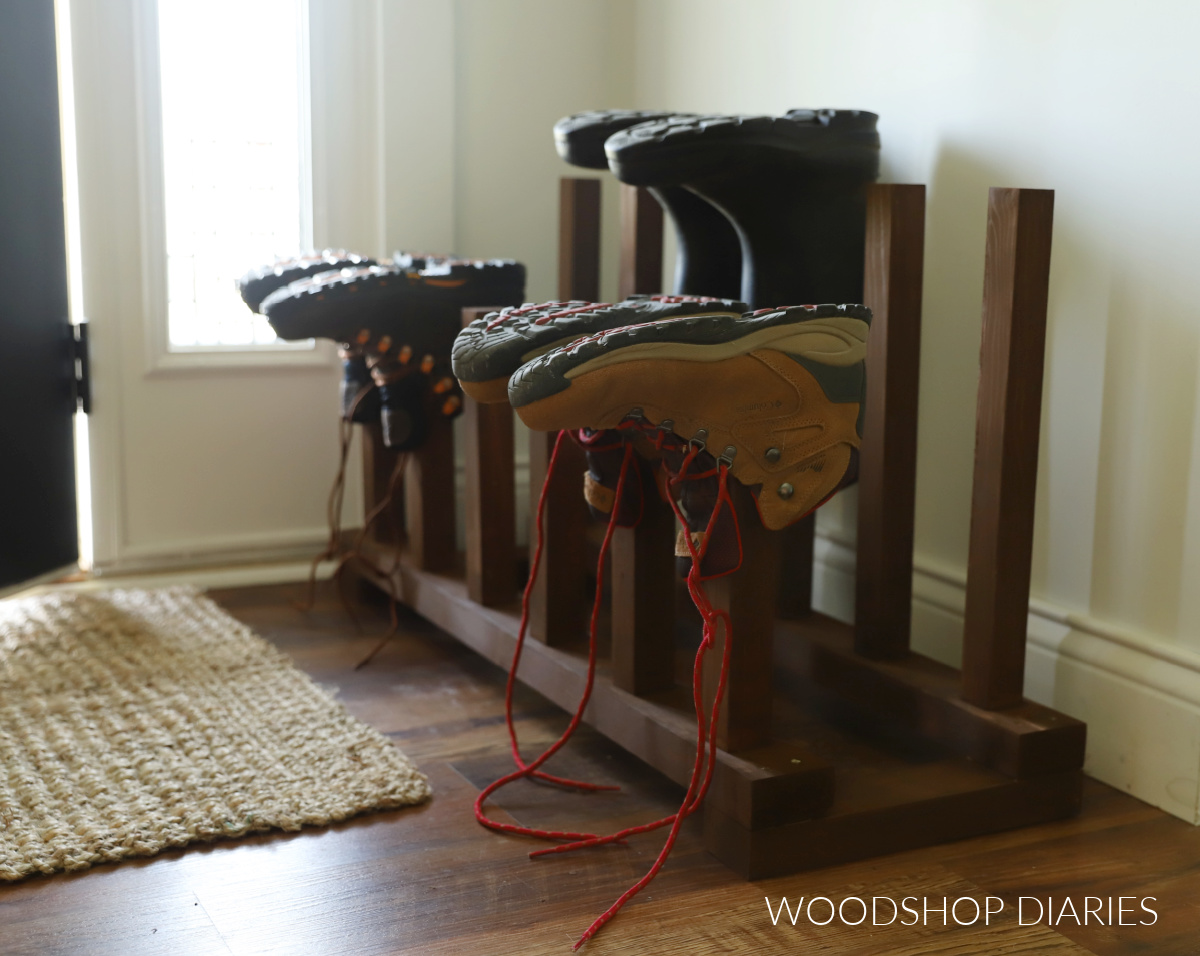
(775, 395)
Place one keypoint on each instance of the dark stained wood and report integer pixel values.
(559, 602)
(379, 462)
(900, 698)
(749, 596)
(916, 763)
(1015, 289)
(643, 596)
(888, 464)
(923, 697)
(429, 500)
(579, 239)
(874, 815)
(777, 781)
(794, 600)
(429, 880)
(641, 242)
(914, 697)
(490, 497)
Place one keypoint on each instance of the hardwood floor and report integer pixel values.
(430, 880)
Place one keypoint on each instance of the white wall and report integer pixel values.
(1094, 99)
(521, 65)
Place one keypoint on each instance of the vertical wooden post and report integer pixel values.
(641, 242)
(643, 558)
(559, 598)
(796, 569)
(579, 239)
(429, 501)
(378, 464)
(643, 596)
(556, 607)
(888, 463)
(1008, 417)
(490, 512)
(749, 595)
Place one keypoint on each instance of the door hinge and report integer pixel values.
(82, 381)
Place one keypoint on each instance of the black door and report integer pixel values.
(38, 525)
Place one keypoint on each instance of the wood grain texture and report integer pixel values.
(429, 500)
(760, 785)
(922, 696)
(556, 606)
(559, 602)
(1008, 418)
(641, 243)
(873, 815)
(379, 462)
(749, 595)
(579, 239)
(887, 475)
(643, 596)
(490, 497)
(794, 599)
(429, 880)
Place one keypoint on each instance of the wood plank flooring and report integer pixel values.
(429, 880)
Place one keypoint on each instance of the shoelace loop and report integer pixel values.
(713, 619)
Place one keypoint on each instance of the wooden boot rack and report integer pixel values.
(867, 748)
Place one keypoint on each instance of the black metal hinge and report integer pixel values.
(83, 373)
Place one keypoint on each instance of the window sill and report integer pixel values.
(306, 355)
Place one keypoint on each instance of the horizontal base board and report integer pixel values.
(937, 804)
(850, 775)
(1022, 741)
(780, 781)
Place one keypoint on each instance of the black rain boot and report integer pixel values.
(794, 187)
(708, 259)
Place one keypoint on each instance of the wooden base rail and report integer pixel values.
(837, 741)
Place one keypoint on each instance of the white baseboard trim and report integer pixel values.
(207, 549)
(205, 578)
(1139, 694)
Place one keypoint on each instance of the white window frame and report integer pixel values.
(161, 357)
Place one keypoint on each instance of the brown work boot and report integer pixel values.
(774, 397)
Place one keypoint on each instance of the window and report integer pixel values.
(235, 158)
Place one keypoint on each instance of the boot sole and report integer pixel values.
(830, 334)
(671, 154)
(483, 358)
(381, 299)
(255, 286)
(579, 139)
(778, 395)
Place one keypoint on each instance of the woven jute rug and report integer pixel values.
(132, 721)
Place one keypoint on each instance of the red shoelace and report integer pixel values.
(705, 760)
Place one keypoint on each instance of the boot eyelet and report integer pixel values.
(786, 490)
